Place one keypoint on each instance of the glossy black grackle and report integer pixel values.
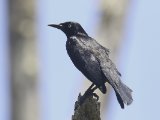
(92, 59)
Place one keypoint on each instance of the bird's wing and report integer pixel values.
(109, 70)
(99, 49)
(96, 45)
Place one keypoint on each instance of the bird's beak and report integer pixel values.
(56, 26)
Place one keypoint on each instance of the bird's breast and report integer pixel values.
(78, 52)
(75, 46)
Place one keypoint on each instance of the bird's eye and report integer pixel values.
(69, 26)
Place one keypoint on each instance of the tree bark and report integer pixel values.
(89, 110)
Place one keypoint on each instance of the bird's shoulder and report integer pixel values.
(97, 46)
(89, 43)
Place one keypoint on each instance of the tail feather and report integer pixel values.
(120, 100)
(124, 95)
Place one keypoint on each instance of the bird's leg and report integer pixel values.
(93, 89)
(90, 88)
(94, 94)
(86, 94)
(89, 92)
(81, 99)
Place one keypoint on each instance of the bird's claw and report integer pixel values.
(96, 96)
(86, 95)
(89, 93)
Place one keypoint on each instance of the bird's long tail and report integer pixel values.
(124, 94)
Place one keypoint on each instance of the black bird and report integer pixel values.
(92, 59)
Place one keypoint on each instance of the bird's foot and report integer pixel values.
(89, 93)
(96, 96)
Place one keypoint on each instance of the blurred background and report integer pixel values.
(38, 80)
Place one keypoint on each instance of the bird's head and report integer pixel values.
(70, 28)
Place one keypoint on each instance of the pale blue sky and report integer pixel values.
(4, 63)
